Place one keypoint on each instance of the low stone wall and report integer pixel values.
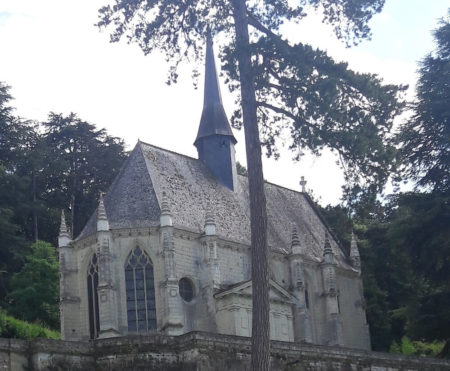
(195, 351)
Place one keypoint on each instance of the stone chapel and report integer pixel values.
(168, 251)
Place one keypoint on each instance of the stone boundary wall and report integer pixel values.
(195, 351)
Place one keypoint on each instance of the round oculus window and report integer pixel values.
(186, 289)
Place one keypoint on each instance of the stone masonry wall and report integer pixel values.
(195, 351)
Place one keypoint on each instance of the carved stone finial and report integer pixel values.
(354, 253)
(64, 236)
(303, 183)
(165, 219)
(101, 211)
(210, 223)
(165, 208)
(63, 231)
(102, 219)
(327, 247)
(209, 218)
(295, 241)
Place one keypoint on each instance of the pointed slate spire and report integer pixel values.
(102, 219)
(354, 253)
(64, 236)
(215, 140)
(165, 219)
(214, 120)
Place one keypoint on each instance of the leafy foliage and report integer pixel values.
(11, 327)
(322, 104)
(425, 138)
(35, 288)
(417, 348)
(241, 169)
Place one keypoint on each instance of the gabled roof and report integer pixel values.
(277, 292)
(134, 201)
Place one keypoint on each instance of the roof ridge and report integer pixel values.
(196, 159)
(167, 150)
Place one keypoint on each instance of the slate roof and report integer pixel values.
(134, 199)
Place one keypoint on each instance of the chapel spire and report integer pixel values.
(214, 120)
(215, 140)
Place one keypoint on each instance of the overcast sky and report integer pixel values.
(55, 59)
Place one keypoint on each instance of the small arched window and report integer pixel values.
(92, 286)
(140, 289)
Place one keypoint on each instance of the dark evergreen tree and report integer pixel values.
(425, 138)
(81, 161)
(419, 228)
(13, 193)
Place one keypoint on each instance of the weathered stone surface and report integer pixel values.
(195, 351)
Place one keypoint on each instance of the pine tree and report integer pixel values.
(273, 90)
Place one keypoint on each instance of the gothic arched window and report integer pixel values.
(92, 286)
(140, 288)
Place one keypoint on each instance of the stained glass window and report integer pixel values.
(92, 285)
(140, 289)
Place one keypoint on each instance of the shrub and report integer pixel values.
(11, 327)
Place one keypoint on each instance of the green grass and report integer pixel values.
(11, 327)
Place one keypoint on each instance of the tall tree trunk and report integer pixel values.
(35, 219)
(72, 211)
(258, 214)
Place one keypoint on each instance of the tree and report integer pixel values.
(425, 137)
(13, 191)
(13, 245)
(35, 289)
(278, 83)
(419, 228)
(81, 161)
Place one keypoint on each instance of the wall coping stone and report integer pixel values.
(195, 345)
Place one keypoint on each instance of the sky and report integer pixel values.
(55, 59)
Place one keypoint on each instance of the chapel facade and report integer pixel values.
(168, 250)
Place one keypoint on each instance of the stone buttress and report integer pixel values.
(172, 321)
(302, 320)
(107, 288)
(331, 296)
(69, 292)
